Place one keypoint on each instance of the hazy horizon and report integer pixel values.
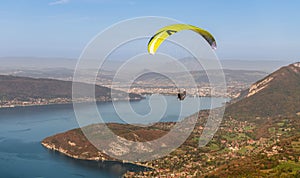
(40, 63)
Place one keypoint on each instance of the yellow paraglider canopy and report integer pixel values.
(167, 31)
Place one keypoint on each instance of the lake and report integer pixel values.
(23, 128)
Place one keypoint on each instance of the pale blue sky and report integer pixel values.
(248, 30)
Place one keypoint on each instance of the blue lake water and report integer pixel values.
(23, 128)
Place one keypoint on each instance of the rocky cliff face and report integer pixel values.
(259, 86)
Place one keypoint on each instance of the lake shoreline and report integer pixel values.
(97, 101)
(35, 123)
(60, 150)
(67, 103)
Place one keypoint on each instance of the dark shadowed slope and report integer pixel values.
(24, 88)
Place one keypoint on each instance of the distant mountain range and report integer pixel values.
(239, 74)
(244, 76)
(275, 95)
(38, 63)
(150, 78)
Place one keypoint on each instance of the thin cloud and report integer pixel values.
(59, 2)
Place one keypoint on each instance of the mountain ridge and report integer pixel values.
(276, 94)
(25, 88)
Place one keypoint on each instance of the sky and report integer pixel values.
(245, 30)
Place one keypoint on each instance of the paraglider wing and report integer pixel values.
(167, 31)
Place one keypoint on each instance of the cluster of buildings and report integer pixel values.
(233, 141)
(232, 90)
(33, 101)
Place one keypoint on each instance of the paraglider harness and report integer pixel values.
(182, 95)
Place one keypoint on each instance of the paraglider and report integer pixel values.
(163, 33)
(182, 95)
